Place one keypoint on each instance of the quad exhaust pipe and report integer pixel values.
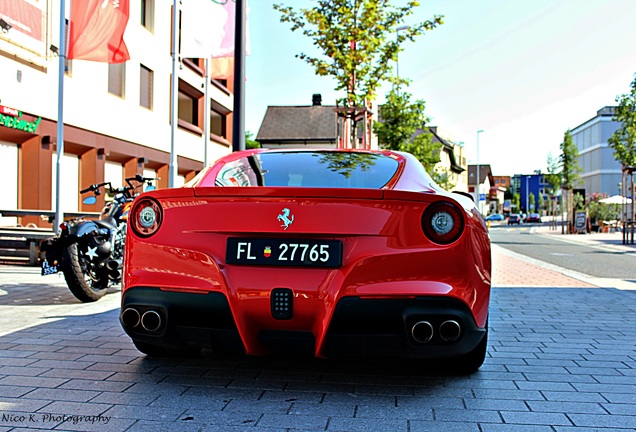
(450, 330)
(150, 320)
(423, 331)
(130, 317)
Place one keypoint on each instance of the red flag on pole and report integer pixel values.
(97, 30)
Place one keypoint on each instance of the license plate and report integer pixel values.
(48, 269)
(284, 252)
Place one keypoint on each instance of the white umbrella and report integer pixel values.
(616, 199)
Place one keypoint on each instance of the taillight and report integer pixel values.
(443, 222)
(146, 217)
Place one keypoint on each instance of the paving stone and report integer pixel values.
(342, 424)
(26, 381)
(604, 421)
(148, 413)
(429, 426)
(535, 418)
(489, 427)
(58, 394)
(568, 407)
(467, 415)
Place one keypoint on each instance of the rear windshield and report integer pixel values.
(309, 169)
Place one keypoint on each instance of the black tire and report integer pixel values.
(85, 288)
(159, 351)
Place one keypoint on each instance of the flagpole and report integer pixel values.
(238, 125)
(206, 111)
(60, 118)
(173, 98)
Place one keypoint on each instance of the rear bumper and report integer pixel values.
(369, 327)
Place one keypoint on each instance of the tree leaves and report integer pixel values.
(623, 141)
(358, 41)
(402, 128)
(570, 168)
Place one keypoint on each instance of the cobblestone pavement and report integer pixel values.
(561, 358)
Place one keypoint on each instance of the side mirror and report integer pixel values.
(149, 188)
(90, 200)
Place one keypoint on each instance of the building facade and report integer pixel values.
(530, 184)
(117, 117)
(481, 187)
(315, 126)
(601, 171)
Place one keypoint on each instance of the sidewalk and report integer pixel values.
(511, 269)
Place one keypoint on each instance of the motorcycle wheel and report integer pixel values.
(86, 287)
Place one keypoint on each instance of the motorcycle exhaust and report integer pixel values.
(113, 265)
(114, 269)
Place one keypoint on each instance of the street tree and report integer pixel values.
(553, 179)
(623, 141)
(531, 202)
(402, 127)
(570, 172)
(358, 43)
(250, 142)
(516, 201)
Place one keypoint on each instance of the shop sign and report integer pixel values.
(12, 118)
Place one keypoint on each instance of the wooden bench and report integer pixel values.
(21, 245)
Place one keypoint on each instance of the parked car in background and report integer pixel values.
(515, 219)
(334, 253)
(495, 217)
(533, 218)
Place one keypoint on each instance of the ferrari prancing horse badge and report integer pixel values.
(284, 218)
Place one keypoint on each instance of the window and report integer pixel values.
(148, 14)
(190, 108)
(187, 108)
(307, 169)
(146, 86)
(116, 76)
(217, 124)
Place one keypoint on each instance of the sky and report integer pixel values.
(523, 71)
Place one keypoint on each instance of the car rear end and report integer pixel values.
(357, 271)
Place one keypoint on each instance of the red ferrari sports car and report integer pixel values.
(332, 252)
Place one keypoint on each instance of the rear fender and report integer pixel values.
(88, 227)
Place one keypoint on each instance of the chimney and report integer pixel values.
(316, 99)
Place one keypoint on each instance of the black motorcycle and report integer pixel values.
(90, 253)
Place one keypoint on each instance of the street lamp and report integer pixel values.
(478, 201)
(397, 33)
(527, 194)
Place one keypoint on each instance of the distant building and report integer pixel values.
(312, 126)
(526, 184)
(502, 181)
(483, 185)
(452, 159)
(601, 171)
